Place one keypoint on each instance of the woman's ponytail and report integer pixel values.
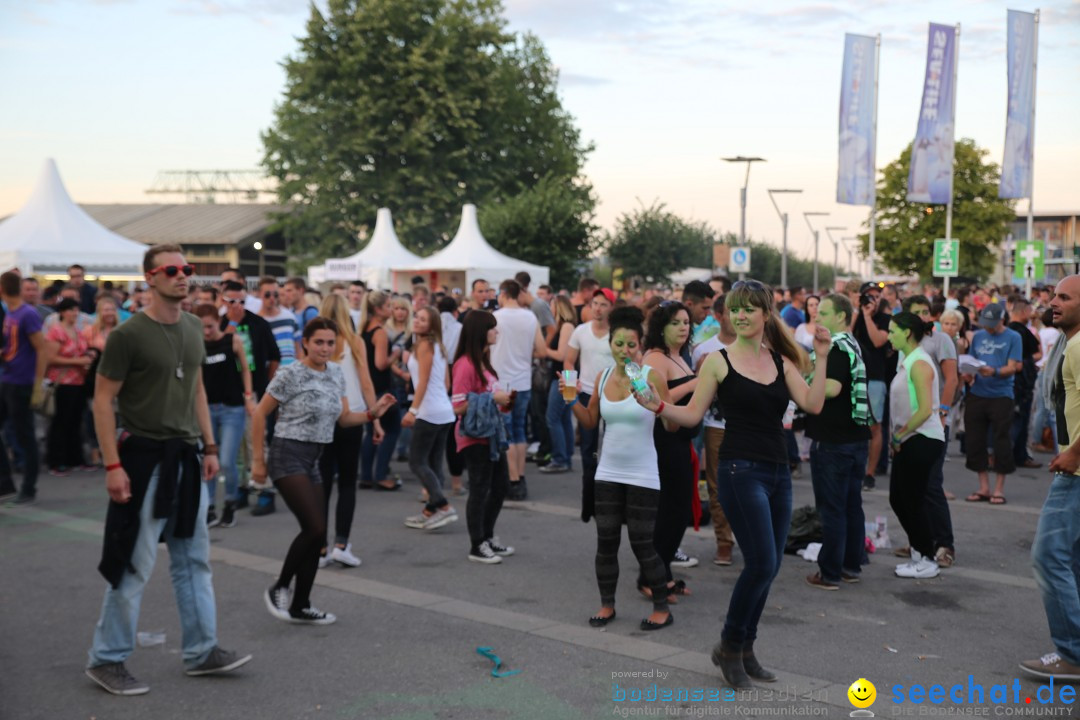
(778, 337)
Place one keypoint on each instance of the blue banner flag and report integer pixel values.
(855, 174)
(930, 177)
(1016, 163)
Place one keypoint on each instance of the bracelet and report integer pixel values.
(660, 408)
(943, 407)
(114, 466)
(370, 416)
(210, 449)
(414, 411)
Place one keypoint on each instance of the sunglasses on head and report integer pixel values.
(751, 284)
(173, 270)
(669, 303)
(270, 294)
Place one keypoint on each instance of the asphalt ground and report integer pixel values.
(411, 617)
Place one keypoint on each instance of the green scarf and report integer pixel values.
(860, 396)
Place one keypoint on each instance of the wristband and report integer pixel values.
(943, 407)
(233, 323)
(210, 449)
(660, 408)
(370, 416)
(249, 395)
(414, 411)
(114, 466)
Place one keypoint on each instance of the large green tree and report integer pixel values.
(652, 244)
(906, 231)
(419, 106)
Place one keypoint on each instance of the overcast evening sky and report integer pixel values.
(116, 90)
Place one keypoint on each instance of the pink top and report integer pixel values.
(70, 347)
(465, 381)
(95, 337)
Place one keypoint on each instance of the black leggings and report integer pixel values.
(64, 445)
(618, 503)
(307, 502)
(674, 511)
(488, 482)
(907, 489)
(342, 456)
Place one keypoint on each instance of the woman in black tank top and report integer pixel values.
(754, 379)
(375, 460)
(560, 426)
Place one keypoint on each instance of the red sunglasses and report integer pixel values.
(173, 270)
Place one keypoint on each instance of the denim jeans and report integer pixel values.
(937, 507)
(515, 419)
(756, 497)
(228, 423)
(1043, 416)
(379, 457)
(1055, 557)
(15, 407)
(189, 565)
(560, 427)
(837, 471)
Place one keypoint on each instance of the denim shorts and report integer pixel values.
(294, 457)
(515, 419)
(876, 390)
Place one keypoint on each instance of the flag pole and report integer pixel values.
(952, 175)
(873, 155)
(1031, 136)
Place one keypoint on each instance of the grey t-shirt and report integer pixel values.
(543, 313)
(310, 402)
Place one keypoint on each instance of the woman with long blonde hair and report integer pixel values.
(431, 415)
(341, 457)
(755, 377)
(374, 313)
(399, 330)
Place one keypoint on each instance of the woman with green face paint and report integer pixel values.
(916, 441)
(627, 479)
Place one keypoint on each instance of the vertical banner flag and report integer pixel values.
(1016, 164)
(855, 176)
(930, 178)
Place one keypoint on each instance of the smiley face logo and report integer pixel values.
(862, 693)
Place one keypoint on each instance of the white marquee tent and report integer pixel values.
(468, 257)
(51, 232)
(375, 264)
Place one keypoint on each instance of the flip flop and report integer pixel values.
(997, 500)
(977, 497)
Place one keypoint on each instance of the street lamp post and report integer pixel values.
(847, 245)
(836, 248)
(783, 219)
(742, 196)
(262, 262)
(807, 216)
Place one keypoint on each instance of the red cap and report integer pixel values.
(607, 293)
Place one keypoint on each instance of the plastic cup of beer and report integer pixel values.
(569, 391)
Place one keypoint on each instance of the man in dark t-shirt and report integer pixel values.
(1024, 382)
(871, 330)
(841, 436)
(260, 347)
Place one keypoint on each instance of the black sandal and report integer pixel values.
(600, 620)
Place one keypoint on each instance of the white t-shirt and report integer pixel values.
(594, 354)
(709, 346)
(451, 333)
(511, 356)
(355, 315)
(1047, 337)
(252, 304)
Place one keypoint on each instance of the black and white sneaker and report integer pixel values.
(212, 519)
(683, 560)
(498, 548)
(484, 554)
(277, 601)
(311, 616)
(228, 515)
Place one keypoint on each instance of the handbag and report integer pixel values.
(47, 406)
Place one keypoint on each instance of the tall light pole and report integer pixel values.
(262, 258)
(742, 196)
(847, 240)
(836, 248)
(807, 216)
(783, 219)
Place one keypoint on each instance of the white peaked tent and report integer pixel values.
(51, 232)
(375, 263)
(468, 257)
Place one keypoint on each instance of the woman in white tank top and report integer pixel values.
(627, 488)
(431, 417)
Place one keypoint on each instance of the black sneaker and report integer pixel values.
(228, 515)
(212, 519)
(242, 499)
(21, 499)
(219, 661)
(265, 504)
(518, 490)
(311, 616)
(7, 489)
(115, 678)
(868, 482)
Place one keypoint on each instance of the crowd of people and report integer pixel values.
(691, 407)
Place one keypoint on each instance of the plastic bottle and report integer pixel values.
(638, 384)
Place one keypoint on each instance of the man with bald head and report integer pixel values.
(1055, 552)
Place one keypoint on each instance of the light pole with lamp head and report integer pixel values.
(262, 263)
(783, 219)
(742, 196)
(807, 216)
(847, 240)
(836, 248)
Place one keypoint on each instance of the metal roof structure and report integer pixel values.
(186, 224)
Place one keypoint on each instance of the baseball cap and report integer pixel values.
(991, 315)
(607, 293)
(871, 286)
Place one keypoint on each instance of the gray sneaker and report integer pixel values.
(115, 678)
(442, 516)
(219, 661)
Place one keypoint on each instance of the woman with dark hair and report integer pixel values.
(755, 378)
(627, 489)
(474, 390)
(67, 358)
(667, 333)
(310, 398)
(558, 416)
(381, 355)
(916, 441)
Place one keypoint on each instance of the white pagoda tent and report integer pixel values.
(375, 264)
(51, 232)
(468, 257)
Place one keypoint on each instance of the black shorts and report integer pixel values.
(294, 457)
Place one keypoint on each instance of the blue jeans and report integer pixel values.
(837, 471)
(515, 419)
(1055, 557)
(379, 457)
(756, 497)
(15, 408)
(560, 427)
(228, 423)
(1043, 417)
(189, 565)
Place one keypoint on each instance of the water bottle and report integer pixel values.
(638, 384)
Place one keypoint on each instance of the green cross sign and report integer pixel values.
(946, 258)
(1028, 260)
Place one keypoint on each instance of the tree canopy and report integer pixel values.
(419, 106)
(906, 231)
(653, 243)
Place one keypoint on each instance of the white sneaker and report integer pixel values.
(921, 569)
(416, 521)
(442, 516)
(683, 560)
(484, 554)
(344, 556)
(498, 548)
(324, 561)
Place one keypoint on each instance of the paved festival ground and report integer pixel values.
(411, 618)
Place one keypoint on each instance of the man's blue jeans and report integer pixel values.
(1055, 557)
(228, 422)
(756, 497)
(377, 457)
(560, 427)
(837, 471)
(15, 407)
(189, 565)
